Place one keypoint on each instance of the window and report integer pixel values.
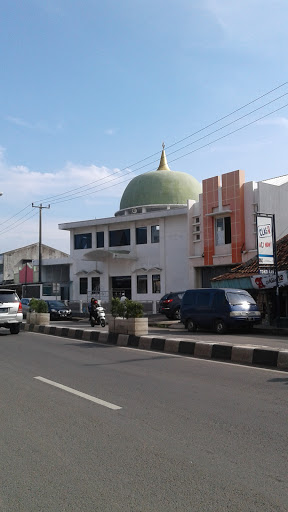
(141, 284)
(100, 239)
(83, 282)
(155, 235)
(95, 284)
(203, 300)
(223, 231)
(141, 235)
(156, 287)
(83, 241)
(47, 289)
(119, 237)
(197, 220)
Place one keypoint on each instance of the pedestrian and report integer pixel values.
(123, 297)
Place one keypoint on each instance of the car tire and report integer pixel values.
(220, 326)
(176, 315)
(191, 326)
(14, 329)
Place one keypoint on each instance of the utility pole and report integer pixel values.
(40, 236)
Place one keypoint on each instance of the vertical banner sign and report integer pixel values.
(265, 240)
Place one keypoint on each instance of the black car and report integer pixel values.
(169, 305)
(58, 310)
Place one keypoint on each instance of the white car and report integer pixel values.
(11, 315)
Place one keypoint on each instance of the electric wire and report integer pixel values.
(174, 160)
(150, 163)
(10, 218)
(175, 143)
(86, 187)
(18, 223)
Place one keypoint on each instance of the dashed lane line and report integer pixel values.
(79, 393)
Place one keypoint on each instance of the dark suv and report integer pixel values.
(169, 305)
(58, 310)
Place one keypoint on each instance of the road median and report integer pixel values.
(253, 355)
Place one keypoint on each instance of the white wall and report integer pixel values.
(170, 255)
(273, 199)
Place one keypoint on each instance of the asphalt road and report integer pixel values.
(172, 433)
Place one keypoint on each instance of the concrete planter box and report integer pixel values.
(38, 318)
(136, 326)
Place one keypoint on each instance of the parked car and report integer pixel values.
(58, 310)
(219, 309)
(169, 305)
(25, 306)
(11, 315)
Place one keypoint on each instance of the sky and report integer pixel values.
(91, 89)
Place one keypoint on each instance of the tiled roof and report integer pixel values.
(250, 268)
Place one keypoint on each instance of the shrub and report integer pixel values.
(38, 305)
(126, 309)
(133, 309)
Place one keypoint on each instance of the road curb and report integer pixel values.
(254, 355)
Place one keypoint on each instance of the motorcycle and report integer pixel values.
(98, 317)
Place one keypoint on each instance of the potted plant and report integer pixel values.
(38, 312)
(127, 318)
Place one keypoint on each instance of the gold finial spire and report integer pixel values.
(163, 166)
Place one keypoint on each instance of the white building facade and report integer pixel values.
(143, 249)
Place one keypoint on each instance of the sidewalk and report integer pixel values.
(158, 320)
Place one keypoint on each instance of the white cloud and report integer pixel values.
(109, 131)
(249, 21)
(18, 121)
(40, 126)
(276, 121)
(100, 196)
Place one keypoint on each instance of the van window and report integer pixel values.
(237, 298)
(203, 300)
(219, 299)
(189, 298)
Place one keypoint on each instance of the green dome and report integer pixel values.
(160, 187)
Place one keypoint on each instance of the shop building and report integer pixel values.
(222, 224)
(262, 286)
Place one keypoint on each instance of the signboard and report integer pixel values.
(265, 240)
(269, 281)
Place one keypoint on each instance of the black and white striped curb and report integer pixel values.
(244, 354)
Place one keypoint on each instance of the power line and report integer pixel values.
(17, 224)
(7, 220)
(88, 186)
(178, 142)
(178, 158)
(173, 152)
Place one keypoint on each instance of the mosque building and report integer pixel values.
(143, 249)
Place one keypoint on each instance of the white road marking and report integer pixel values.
(79, 393)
